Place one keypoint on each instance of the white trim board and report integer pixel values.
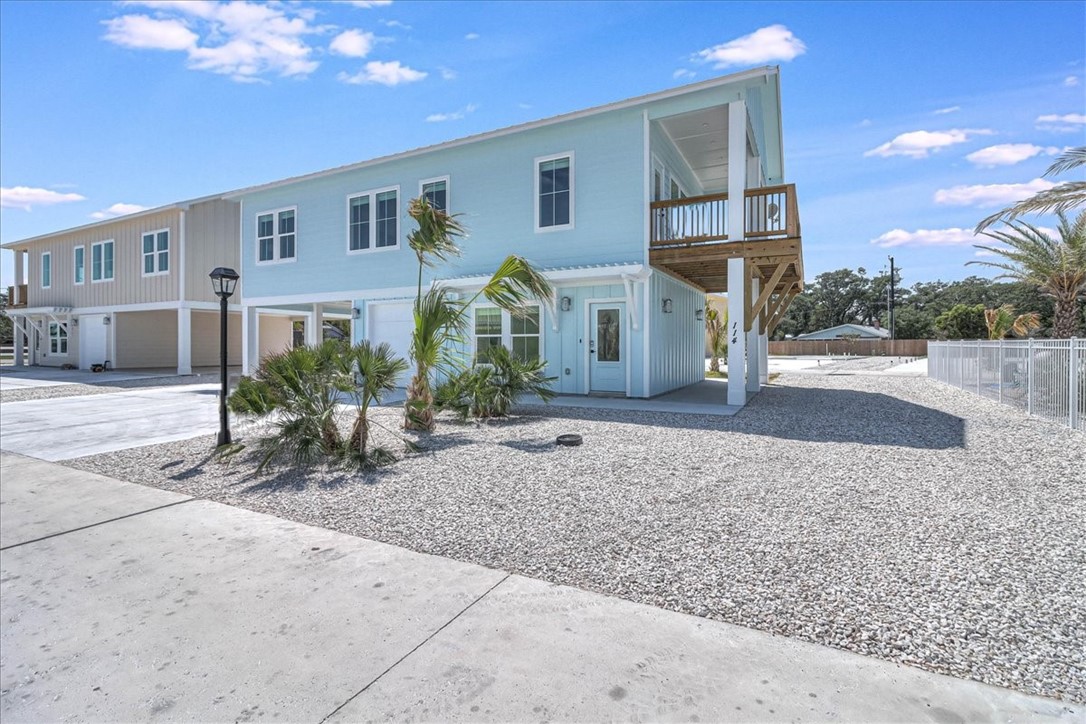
(588, 334)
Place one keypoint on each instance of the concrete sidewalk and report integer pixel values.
(128, 603)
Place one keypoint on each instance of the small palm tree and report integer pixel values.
(1001, 322)
(371, 372)
(716, 324)
(1059, 199)
(1058, 268)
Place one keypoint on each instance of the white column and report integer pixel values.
(20, 271)
(753, 372)
(33, 342)
(737, 268)
(763, 356)
(314, 325)
(250, 340)
(17, 339)
(184, 341)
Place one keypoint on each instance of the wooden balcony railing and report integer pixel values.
(17, 296)
(770, 212)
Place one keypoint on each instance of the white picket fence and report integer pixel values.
(1042, 377)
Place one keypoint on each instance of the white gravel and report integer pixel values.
(894, 517)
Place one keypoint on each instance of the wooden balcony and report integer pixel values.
(17, 296)
(689, 239)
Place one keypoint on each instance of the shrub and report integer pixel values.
(490, 390)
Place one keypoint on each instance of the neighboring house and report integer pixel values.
(720, 304)
(847, 331)
(132, 291)
(628, 208)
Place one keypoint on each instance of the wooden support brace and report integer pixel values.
(781, 312)
(775, 305)
(763, 298)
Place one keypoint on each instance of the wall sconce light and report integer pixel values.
(567, 304)
(75, 321)
(107, 319)
(355, 312)
(667, 306)
(699, 314)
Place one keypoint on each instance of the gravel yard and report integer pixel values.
(895, 517)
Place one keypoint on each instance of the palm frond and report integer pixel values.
(1057, 200)
(1069, 159)
(514, 284)
(435, 240)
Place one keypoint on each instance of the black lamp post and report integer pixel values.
(223, 281)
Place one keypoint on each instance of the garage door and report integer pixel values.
(392, 322)
(93, 340)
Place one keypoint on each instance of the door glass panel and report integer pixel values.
(608, 333)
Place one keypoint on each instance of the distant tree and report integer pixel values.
(962, 322)
(7, 328)
(716, 327)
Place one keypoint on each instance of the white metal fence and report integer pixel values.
(1042, 377)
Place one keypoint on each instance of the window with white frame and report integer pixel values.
(46, 270)
(102, 261)
(436, 191)
(276, 235)
(519, 333)
(79, 264)
(156, 252)
(373, 220)
(58, 338)
(554, 192)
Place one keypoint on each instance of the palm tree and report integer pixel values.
(441, 321)
(716, 324)
(1001, 322)
(1058, 268)
(372, 372)
(1058, 199)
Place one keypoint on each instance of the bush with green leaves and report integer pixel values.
(300, 393)
(490, 390)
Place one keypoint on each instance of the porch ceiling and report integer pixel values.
(706, 265)
(702, 138)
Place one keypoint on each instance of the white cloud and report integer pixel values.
(944, 111)
(471, 36)
(454, 116)
(392, 73)
(926, 237)
(865, 123)
(1071, 81)
(118, 209)
(243, 40)
(683, 73)
(352, 43)
(367, 4)
(395, 24)
(1066, 123)
(987, 195)
(447, 73)
(1008, 154)
(26, 197)
(771, 43)
(918, 144)
(524, 106)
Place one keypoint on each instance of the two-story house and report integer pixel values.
(634, 210)
(131, 292)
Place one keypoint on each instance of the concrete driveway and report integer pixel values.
(16, 378)
(71, 427)
(124, 603)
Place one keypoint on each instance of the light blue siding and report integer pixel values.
(492, 184)
(677, 351)
(665, 152)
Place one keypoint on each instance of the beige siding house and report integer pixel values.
(128, 293)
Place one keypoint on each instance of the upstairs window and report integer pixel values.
(102, 261)
(276, 236)
(46, 270)
(156, 252)
(436, 191)
(373, 220)
(554, 192)
(79, 264)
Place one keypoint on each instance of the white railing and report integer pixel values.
(1042, 377)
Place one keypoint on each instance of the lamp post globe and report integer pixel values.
(223, 282)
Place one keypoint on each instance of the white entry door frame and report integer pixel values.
(93, 340)
(614, 302)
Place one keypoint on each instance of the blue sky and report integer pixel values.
(904, 123)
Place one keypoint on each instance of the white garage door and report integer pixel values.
(392, 322)
(93, 340)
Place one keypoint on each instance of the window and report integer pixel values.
(495, 327)
(102, 261)
(58, 338)
(436, 191)
(276, 236)
(554, 192)
(46, 270)
(373, 220)
(156, 252)
(79, 264)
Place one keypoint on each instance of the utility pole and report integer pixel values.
(891, 304)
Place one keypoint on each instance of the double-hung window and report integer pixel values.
(373, 220)
(58, 338)
(156, 252)
(46, 270)
(436, 191)
(276, 235)
(79, 264)
(102, 261)
(520, 334)
(554, 192)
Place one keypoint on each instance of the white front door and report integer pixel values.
(607, 347)
(93, 340)
(392, 322)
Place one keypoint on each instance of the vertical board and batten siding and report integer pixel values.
(677, 351)
(211, 240)
(492, 186)
(129, 286)
(206, 335)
